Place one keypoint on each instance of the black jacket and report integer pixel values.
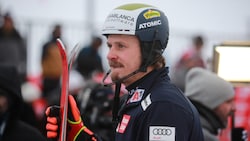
(13, 127)
(18, 130)
(157, 110)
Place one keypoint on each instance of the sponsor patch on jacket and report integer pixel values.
(146, 102)
(137, 96)
(123, 124)
(161, 133)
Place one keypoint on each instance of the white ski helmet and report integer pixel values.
(146, 22)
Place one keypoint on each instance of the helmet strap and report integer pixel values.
(120, 80)
(148, 57)
(116, 104)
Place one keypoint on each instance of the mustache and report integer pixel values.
(115, 64)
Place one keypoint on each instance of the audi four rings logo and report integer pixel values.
(162, 131)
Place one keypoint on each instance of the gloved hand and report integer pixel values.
(75, 126)
(53, 121)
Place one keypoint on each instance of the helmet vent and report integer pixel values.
(127, 30)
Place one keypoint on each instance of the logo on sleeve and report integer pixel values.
(137, 96)
(146, 102)
(123, 124)
(161, 133)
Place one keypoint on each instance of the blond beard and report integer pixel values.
(114, 76)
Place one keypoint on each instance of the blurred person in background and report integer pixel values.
(239, 125)
(88, 60)
(189, 59)
(51, 63)
(94, 100)
(214, 99)
(95, 105)
(12, 47)
(15, 115)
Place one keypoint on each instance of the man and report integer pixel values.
(51, 63)
(189, 59)
(154, 109)
(214, 99)
(13, 49)
(12, 125)
(89, 61)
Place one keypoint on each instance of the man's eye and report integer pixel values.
(121, 46)
(109, 46)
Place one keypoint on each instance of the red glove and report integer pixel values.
(75, 127)
(53, 120)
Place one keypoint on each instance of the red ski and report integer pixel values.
(67, 62)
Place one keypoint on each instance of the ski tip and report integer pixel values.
(60, 43)
(76, 48)
(59, 40)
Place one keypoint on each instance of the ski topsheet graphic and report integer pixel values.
(67, 61)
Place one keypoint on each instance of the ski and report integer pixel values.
(67, 61)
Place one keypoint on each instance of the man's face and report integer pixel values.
(225, 110)
(124, 57)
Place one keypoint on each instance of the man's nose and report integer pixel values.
(111, 54)
(233, 108)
